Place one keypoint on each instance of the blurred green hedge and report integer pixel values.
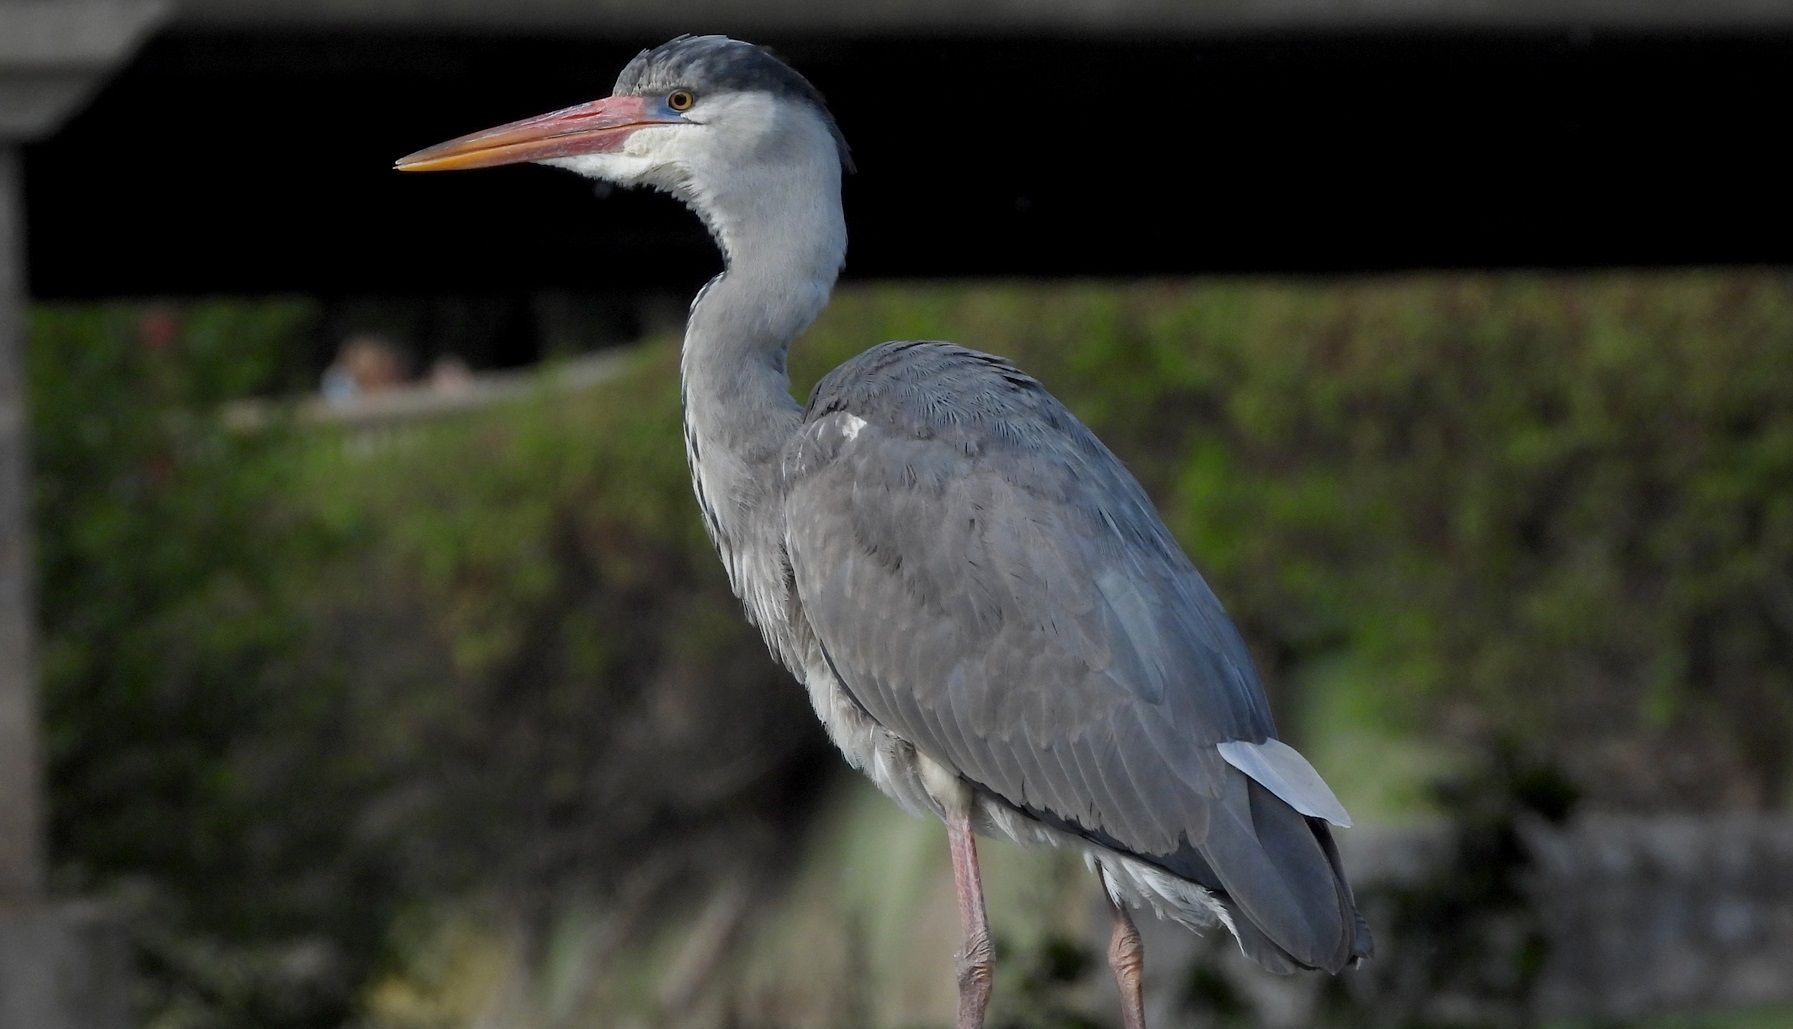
(299, 684)
(1555, 507)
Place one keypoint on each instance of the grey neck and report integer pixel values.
(783, 246)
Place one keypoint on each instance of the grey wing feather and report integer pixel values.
(992, 585)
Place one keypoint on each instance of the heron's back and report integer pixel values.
(989, 584)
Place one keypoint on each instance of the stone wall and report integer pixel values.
(1606, 918)
(1648, 915)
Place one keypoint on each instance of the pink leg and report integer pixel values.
(1127, 957)
(977, 962)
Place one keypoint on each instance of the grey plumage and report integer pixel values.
(991, 585)
(988, 615)
(964, 576)
(938, 548)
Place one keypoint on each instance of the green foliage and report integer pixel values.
(299, 685)
(1555, 506)
(590, 674)
(1473, 915)
(172, 567)
(296, 683)
(1039, 978)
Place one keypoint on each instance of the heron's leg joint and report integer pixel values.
(977, 962)
(1127, 958)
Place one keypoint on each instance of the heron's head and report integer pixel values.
(703, 117)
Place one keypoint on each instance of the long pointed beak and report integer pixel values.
(599, 127)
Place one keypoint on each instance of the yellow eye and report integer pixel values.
(680, 100)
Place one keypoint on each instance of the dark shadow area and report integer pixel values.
(1038, 157)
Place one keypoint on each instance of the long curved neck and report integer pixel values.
(783, 240)
(741, 328)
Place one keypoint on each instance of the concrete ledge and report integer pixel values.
(997, 17)
(64, 967)
(1646, 915)
(52, 55)
(1605, 919)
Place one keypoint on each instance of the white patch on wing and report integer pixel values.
(850, 425)
(1282, 770)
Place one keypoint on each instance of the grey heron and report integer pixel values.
(988, 614)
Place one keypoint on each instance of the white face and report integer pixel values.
(748, 162)
(719, 136)
(733, 158)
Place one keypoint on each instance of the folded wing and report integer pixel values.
(991, 584)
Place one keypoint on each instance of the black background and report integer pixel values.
(256, 163)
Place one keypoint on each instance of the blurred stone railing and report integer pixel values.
(1609, 918)
(1660, 914)
(377, 421)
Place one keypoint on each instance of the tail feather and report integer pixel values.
(1278, 874)
(1363, 946)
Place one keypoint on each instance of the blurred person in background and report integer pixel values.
(365, 365)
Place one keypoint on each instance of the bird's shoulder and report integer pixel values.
(931, 398)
